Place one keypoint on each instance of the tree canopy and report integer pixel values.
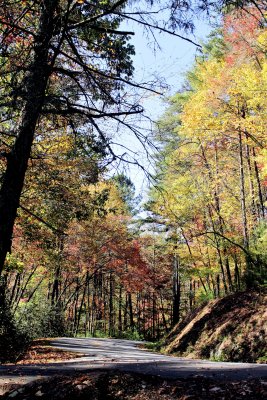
(73, 255)
(211, 171)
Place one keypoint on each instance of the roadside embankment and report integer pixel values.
(233, 328)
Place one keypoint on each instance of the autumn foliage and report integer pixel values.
(212, 169)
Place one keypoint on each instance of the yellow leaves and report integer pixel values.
(12, 263)
(228, 99)
(113, 204)
(200, 117)
(262, 41)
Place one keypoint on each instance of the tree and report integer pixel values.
(209, 174)
(126, 189)
(67, 62)
(57, 41)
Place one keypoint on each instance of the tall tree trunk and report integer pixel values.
(242, 193)
(218, 248)
(75, 304)
(120, 311)
(125, 316)
(251, 182)
(218, 223)
(228, 271)
(237, 274)
(261, 201)
(88, 311)
(17, 159)
(57, 278)
(111, 305)
(163, 314)
(55, 289)
(154, 314)
(24, 287)
(131, 311)
(176, 291)
(218, 285)
(14, 288)
(79, 313)
(221, 226)
(93, 306)
(191, 294)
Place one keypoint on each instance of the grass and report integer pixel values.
(154, 346)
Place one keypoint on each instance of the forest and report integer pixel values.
(80, 253)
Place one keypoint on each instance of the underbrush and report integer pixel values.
(13, 341)
(41, 319)
(129, 334)
(154, 346)
(30, 321)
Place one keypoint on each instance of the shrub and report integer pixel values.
(13, 341)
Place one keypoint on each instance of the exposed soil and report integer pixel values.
(116, 385)
(40, 352)
(233, 328)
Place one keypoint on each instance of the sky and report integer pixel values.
(169, 63)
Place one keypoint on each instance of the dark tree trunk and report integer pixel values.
(163, 314)
(228, 272)
(242, 194)
(154, 314)
(261, 200)
(111, 305)
(125, 316)
(176, 291)
(218, 285)
(55, 289)
(251, 183)
(131, 311)
(17, 160)
(79, 313)
(14, 289)
(120, 311)
(237, 274)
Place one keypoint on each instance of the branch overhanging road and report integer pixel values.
(127, 356)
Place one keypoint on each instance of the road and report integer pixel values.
(126, 355)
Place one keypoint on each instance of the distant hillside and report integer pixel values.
(233, 328)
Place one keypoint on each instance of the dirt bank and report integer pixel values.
(233, 328)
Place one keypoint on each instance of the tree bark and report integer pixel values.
(79, 314)
(176, 291)
(17, 159)
(242, 193)
(251, 183)
(111, 305)
(262, 209)
(120, 311)
(131, 311)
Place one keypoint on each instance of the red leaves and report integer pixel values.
(107, 244)
(240, 30)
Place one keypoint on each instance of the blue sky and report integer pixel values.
(169, 63)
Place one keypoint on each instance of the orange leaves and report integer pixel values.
(211, 181)
(106, 243)
(241, 28)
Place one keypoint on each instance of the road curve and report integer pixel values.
(126, 355)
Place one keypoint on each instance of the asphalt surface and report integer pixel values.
(126, 355)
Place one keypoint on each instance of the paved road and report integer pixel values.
(128, 356)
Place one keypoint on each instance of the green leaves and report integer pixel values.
(13, 264)
(211, 170)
